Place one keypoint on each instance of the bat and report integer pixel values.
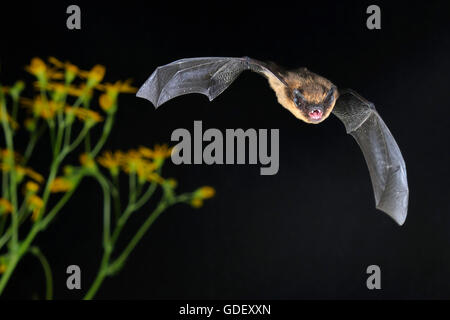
(309, 97)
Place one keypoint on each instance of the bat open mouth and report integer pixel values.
(315, 114)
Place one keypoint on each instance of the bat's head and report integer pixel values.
(314, 102)
(308, 96)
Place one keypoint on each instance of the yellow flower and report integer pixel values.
(35, 204)
(56, 62)
(58, 89)
(158, 153)
(154, 177)
(132, 162)
(2, 268)
(146, 152)
(4, 115)
(106, 103)
(86, 161)
(16, 90)
(201, 194)
(34, 175)
(43, 109)
(144, 169)
(5, 206)
(23, 171)
(31, 187)
(108, 100)
(111, 161)
(172, 183)
(69, 170)
(71, 70)
(161, 151)
(37, 67)
(41, 71)
(61, 184)
(94, 76)
(113, 89)
(30, 124)
(196, 203)
(81, 91)
(88, 116)
(6, 155)
(205, 192)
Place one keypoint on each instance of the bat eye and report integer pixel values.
(299, 99)
(330, 96)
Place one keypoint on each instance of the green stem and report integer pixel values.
(4, 239)
(132, 207)
(51, 126)
(132, 188)
(52, 213)
(37, 227)
(12, 263)
(47, 271)
(13, 183)
(116, 197)
(35, 135)
(5, 191)
(118, 263)
(106, 130)
(55, 166)
(107, 245)
(101, 275)
(147, 195)
(16, 256)
(3, 218)
(105, 267)
(68, 124)
(15, 108)
(59, 135)
(87, 143)
(129, 210)
(106, 211)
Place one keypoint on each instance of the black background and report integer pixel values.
(311, 230)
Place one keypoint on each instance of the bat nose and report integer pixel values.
(315, 107)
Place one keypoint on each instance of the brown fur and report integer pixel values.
(313, 87)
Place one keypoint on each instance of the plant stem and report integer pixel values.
(52, 213)
(118, 263)
(12, 176)
(102, 273)
(116, 197)
(37, 227)
(106, 211)
(14, 259)
(105, 267)
(34, 137)
(106, 130)
(47, 271)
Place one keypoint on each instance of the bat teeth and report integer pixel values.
(316, 114)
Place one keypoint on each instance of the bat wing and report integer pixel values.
(209, 76)
(383, 157)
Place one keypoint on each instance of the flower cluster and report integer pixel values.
(64, 107)
(144, 162)
(201, 194)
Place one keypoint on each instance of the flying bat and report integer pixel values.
(309, 97)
